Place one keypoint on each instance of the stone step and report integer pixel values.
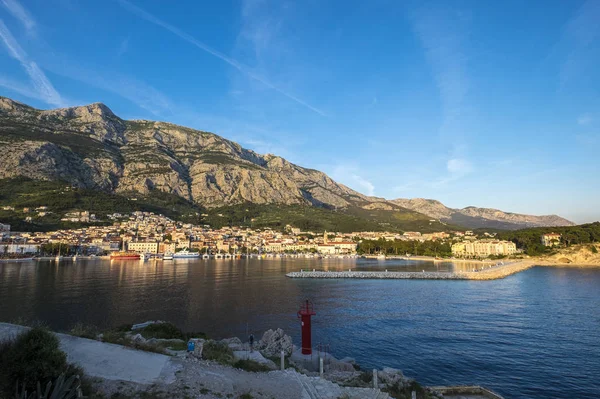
(319, 388)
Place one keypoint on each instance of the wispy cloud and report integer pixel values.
(20, 88)
(441, 31)
(351, 176)
(588, 139)
(40, 82)
(232, 62)
(584, 120)
(459, 167)
(19, 12)
(579, 40)
(123, 46)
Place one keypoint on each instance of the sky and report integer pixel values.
(473, 103)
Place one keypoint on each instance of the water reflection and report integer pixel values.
(517, 335)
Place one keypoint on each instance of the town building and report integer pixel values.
(83, 216)
(147, 247)
(483, 248)
(336, 247)
(551, 239)
(19, 248)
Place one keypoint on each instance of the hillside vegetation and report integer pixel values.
(530, 240)
(61, 197)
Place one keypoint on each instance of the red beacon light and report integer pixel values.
(305, 312)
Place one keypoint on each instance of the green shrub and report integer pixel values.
(84, 331)
(176, 346)
(62, 388)
(123, 328)
(251, 365)
(405, 391)
(162, 331)
(114, 337)
(593, 249)
(34, 356)
(218, 352)
(198, 334)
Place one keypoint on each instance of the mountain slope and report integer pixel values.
(92, 148)
(480, 217)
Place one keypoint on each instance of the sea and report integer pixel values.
(535, 334)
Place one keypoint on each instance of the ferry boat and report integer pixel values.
(124, 255)
(185, 254)
(168, 256)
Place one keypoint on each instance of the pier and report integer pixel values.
(492, 273)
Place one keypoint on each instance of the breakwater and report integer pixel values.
(491, 273)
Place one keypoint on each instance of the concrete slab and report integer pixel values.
(108, 361)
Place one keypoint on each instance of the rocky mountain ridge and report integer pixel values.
(479, 217)
(89, 146)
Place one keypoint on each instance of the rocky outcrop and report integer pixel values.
(586, 254)
(273, 342)
(90, 146)
(479, 217)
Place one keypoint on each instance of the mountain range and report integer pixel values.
(90, 147)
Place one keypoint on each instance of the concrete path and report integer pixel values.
(108, 361)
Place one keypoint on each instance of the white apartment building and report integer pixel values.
(484, 248)
(147, 247)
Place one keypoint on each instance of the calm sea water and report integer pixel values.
(532, 335)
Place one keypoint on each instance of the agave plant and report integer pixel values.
(63, 389)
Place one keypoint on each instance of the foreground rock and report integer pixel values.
(273, 342)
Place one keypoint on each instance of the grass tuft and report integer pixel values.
(251, 366)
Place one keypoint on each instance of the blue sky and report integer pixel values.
(484, 103)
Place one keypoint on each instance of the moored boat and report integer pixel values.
(124, 255)
(185, 254)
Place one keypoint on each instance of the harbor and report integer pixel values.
(490, 272)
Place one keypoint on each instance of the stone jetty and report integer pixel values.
(492, 273)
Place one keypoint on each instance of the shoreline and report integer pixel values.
(276, 368)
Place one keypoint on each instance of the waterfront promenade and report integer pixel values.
(491, 273)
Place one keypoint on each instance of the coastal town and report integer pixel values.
(151, 234)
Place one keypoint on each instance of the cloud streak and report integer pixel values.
(232, 62)
(442, 34)
(579, 42)
(40, 82)
(17, 10)
(584, 120)
(438, 32)
(349, 175)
